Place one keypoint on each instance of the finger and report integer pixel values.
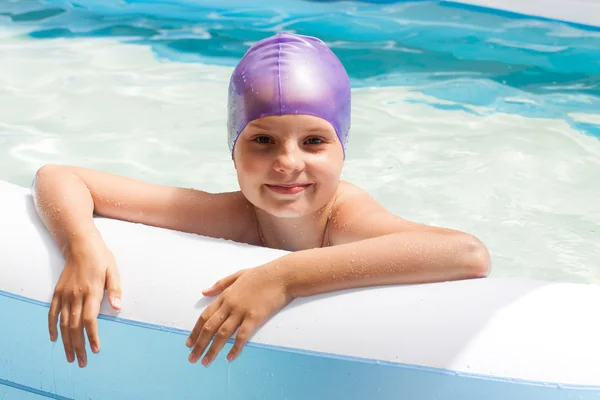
(207, 332)
(248, 326)
(91, 309)
(223, 334)
(222, 284)
(53, 317)
(113, 286)
(65, 332)
(76, 329)
(206, 314)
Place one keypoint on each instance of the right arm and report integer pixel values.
(66, 199)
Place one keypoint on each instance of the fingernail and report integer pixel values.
(95, 348)
(191, 358)
(188, 342)
(205, 361)
(229, 357)
(117, 302)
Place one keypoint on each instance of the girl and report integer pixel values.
(288, 121)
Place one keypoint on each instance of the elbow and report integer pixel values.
(478, 261)
(46, 172)
(48, 169)
(42, 172)
(40, 175)
(44, 177)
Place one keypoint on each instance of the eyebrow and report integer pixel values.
(260, 126)
(316, 129)
(266, 127)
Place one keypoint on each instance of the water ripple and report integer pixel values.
(554, 65)
(460, 118)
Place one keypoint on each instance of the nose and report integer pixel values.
(288, 159)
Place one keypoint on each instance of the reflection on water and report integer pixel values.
(462, 119)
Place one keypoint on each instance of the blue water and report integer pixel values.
(459, 53)
(473, 57)
(143, 362)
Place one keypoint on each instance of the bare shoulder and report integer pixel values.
(352, 201)
(226, 215)
(357, 215)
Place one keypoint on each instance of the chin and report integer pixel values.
(285, 210)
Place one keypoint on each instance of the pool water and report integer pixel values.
(482, 121)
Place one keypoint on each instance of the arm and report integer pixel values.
(374, 247)
(66, 199)
(398, 258)
(54, 189)
(370, 247)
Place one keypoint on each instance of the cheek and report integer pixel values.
(246, 164)
(249, 172)
(329, 179)
(331, 166)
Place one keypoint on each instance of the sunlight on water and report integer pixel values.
(522, 184)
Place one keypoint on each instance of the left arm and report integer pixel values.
(371, 247)
(381, 249)
(397, 258)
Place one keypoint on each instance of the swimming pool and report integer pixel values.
(483, 121)
(465, 117)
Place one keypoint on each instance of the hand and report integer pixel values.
(77, 297)
(248, 298)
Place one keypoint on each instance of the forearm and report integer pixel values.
(400, 258)
(65, 206)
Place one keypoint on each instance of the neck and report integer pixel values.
(293, 234)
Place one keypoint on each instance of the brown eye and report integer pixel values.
(263, 139)
(314, 140)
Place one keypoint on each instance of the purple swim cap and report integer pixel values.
(289, 74)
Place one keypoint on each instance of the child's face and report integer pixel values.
(288, 165)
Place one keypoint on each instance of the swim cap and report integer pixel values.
(289, 74)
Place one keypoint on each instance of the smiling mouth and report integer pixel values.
(289, 189)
